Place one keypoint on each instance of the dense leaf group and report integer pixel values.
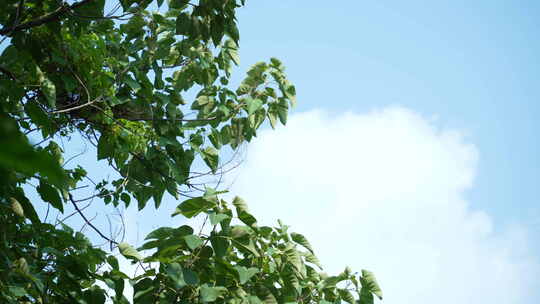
(147, 84)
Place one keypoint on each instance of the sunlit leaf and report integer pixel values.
(370, 283)
(211, 158)
(16, 207)
(129, 252)
(300, 239)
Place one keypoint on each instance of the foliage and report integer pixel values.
(150, 90)
(237, 261)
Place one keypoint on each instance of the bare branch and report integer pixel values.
(89, 222)
(76, 107)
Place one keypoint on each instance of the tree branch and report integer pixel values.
(8, 73)
(88, 222)
(50, 17)
(75, 107)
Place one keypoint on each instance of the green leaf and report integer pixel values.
(38, 116)
(225, 135)
(190, 277)
(282, 111)
(220, 245)
(160, 233)
(217, 30)
(272, 117)
(312, 274)
(49, 90)
(143, 291)
(240, 205)
(238, 232)
(17, 291)
(94, 295)
(253, 105)
(264, 293)
(312, 258)
(106, 146)
(346, 296)
(247, 247)
(28, 208)
(175, 272)
(366, 297)
(215, 139)
(49, 194)
(126, 4)
(183, 24)
(300, 239)
(216, 218)
(211, 294)
(129, 252)
(93, 9)
(242, 211)
(177, 4)
(232, 31)
(211, 158)
(276, 63)
(158, 196)
(125, 198)
(293, 257)
(368, 281)
(19, 155)
(191, 207)
(330, 282)
(232, 51)
(142, 196)
(254, 300)
(133, 84)
(244, 274)
(193, 241)
(113, 261)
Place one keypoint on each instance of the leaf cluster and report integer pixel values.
(238, 261)
(150, 91)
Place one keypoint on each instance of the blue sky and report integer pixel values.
(469, 67)
(434, 104)
(472, 64)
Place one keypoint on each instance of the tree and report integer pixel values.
(119, 78)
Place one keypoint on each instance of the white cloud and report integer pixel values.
(386, 191)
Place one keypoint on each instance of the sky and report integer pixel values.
(413, 149)
(470, 64)
(392, 199)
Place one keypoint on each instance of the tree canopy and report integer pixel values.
(147, 83)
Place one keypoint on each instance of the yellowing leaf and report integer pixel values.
(129, 252)
(16, 207)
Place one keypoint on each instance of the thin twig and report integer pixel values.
(88, 222)
(76, 107)
(71, 214)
